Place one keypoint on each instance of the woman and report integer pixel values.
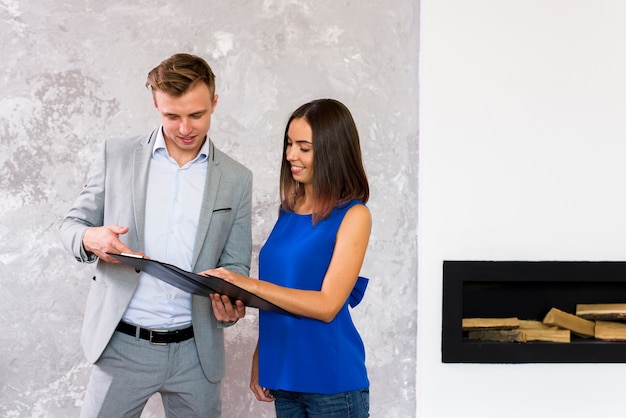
(309, 265)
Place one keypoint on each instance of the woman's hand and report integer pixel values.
(244, 282)
(261, 393)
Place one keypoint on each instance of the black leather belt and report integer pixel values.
(156, 336)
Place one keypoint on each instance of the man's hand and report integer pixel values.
(225, 311)
(101, 240)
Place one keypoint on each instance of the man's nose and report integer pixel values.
(185, 127)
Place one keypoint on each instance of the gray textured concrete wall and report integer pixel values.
(72, 74)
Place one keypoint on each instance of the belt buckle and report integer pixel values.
(156, 330)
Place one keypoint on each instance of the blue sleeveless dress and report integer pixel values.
(308, 355)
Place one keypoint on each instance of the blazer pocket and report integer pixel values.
(97, 280)
(222, 210)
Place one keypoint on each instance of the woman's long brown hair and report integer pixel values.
(338, 172)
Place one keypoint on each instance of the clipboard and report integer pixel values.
(196, 283)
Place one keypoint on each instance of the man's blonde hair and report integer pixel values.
(179, 73)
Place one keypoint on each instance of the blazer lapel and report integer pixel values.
(211, 188)
(139, 184)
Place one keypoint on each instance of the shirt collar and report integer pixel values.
(159, 146)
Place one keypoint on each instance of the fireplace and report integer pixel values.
(527, 290)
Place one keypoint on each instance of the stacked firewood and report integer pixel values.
(605, 322)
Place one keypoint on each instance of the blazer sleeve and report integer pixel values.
(86, 211)
(237, 252)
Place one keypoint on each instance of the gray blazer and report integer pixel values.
(115, 193)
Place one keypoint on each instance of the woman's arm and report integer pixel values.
(261, 393)
(341, 276)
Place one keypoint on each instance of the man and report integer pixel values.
(172, 196)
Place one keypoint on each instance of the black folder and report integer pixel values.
(196, 283)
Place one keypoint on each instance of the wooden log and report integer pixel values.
(521, 335)
(554, 335)
(498, 335)
(469, 324)
(579, 326)
(610, 331)
(603, 311)
(534, 324)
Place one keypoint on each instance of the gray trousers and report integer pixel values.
(131, 370)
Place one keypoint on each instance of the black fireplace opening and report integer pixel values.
(527, 290)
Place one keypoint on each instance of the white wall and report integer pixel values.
(522, 146)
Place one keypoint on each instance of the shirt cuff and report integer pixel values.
(226, 324)
(86, 258)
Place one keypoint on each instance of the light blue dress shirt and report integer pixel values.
(173, 202)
